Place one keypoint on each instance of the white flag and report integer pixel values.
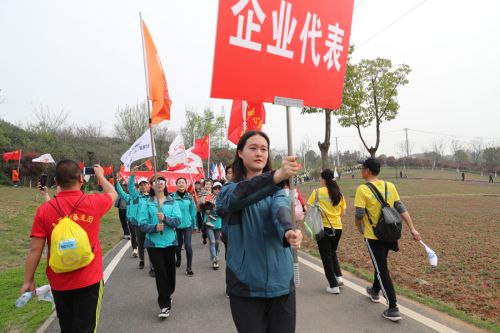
(433, 259)
(177, 152)
(222, 171)
(45, 158)
(335, 173)
(141, 148)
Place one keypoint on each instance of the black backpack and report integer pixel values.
(390, 223)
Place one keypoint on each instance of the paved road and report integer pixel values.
(200, 304)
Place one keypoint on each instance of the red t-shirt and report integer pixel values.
(88, 215)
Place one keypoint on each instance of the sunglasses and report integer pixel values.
(159, 181)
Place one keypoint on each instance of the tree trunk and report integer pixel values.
(325, 145)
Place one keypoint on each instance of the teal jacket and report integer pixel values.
(256, 217)
(148, 219)
(217, 223)
(188, 210)
(133, 199)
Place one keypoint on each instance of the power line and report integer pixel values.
(391, 24)
(454, 135)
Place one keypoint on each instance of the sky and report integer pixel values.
(86, 58)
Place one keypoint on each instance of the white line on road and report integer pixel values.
(404, 310)
(112, 265)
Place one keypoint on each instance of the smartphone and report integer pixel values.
(88, 171)
(43, 181)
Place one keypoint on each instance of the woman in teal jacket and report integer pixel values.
(259, 271)
(161, 239)
(188, 222)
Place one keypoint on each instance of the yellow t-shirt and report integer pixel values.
(334, 213)
(366, 199)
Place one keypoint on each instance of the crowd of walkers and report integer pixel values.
(249, 212)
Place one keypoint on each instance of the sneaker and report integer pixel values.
(141, 264)
(127, 237)
(189, 272)
(340, 281)
(373, 295)
(124, 237)
(392, 314)
(204, 241)
(334, 290)
(152, 272)
(177, 263)
(164, 313)
(210, 224)
(216, 264)
(135, 253)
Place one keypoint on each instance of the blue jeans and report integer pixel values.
(213, 242)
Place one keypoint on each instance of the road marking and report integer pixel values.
(112, 265)
(404, 310)
(107, 272)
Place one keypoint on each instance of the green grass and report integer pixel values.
(423, 299)
(18, 206)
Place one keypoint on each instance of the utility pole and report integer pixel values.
(337, 148)
(407, 146)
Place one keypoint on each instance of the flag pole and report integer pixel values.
(244, 110)
(19, 162)
(150, 121)
(208, 161)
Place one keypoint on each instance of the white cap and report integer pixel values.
(142, 180)
(217, 184)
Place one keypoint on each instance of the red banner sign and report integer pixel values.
(295, 48)
(171, 177)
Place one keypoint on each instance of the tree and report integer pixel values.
(370, 96)
(437, 150)
(325, 145)
(131, 122)
(476, 148)
(461, 157)
(491, 158)
(304, 147)
(200, 125)
(47, 122)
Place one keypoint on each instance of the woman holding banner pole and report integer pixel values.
(259, 272)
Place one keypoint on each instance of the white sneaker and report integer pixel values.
(335, 290)
(135, 253)
(340, 281)
(164, 313)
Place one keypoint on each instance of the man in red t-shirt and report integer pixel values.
(77, 294)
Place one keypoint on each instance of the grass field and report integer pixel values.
(17, 208)
(460, 221)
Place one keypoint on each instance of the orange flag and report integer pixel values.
(148, 165)
(158, 91)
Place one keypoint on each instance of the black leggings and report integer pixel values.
(264, 315)
(164, 263)
(328, 251)
(382, 279)
(122, 213)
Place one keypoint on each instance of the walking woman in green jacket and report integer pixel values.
(161, 239)
(188, 223)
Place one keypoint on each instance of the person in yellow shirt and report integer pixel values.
(333, 205)
(368, 210)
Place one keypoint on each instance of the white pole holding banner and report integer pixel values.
(149, 112)
(289, 103)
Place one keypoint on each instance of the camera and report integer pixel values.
(88, 171)
(43, 181)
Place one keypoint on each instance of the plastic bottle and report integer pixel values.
(23, 299)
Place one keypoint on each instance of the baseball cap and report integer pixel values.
(142, 180)
(217, 184)
(371, 164)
